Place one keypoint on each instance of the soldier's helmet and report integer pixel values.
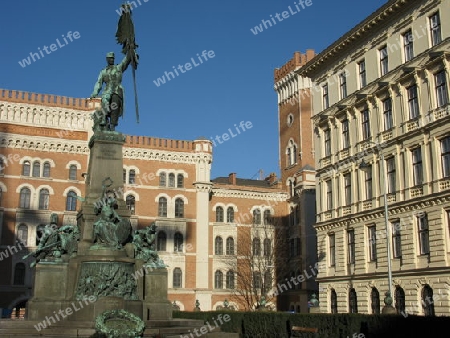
(110, 55)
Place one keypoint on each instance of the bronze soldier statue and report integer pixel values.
(113, 92)
(111, 75)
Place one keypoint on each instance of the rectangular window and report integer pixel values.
(390, 165)
(362, 74)
(327, 140)
(365, 124)
(413, 102)
(325, 99)
(435, 29)
(417, 166)
(396, 240)
(384, 64)
(332, 243)
(348, 189)
(445, 156)
(441, 89)
(329, 191)
(372, 243)
(387, 113)
(424, 239)
(368, 183)
(343, 85)
(351, 246)
(408, 48)
(345, 134)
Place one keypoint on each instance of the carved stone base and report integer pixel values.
(50, 281)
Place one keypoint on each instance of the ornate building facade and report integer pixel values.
(44, 157)
(381, 96)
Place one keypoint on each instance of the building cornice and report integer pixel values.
(39, 143)
(374, 21)
(36, 115)
(165, 156)
(248, 194)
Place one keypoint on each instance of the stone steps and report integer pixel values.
(175, 328)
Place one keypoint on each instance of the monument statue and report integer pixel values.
(197, 305)
(110, 230)
(111, 76)
(56, 242)
(144, 245)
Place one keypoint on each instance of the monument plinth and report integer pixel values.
(112, 268)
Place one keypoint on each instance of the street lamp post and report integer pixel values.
(388, 308)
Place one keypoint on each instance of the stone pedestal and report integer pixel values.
(314, 309)
(156, 306)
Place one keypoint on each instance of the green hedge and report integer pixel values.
(342, 325)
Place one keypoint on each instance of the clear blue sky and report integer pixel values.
(236, 85)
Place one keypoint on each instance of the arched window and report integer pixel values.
(179, 208)
(46, 171)
(177, 278)
(256, 216)
(375, 301)
(291, 153)
(333, 301)
(180, 181)
(267, 217)
(25, 196)
(22, 234)
(162, 179)
(218, 246)
(219, 214)
(36, 169)
(400, 300)
(427, 301)
(44, 199)
(26, 168)
(39, 233)
(124, 176)
(172, 180)
(352, 301)
(218, 280)
(230, 246)
(230, 215)
(267, 247)
(132, 177)
(131, 203)
(71, 201)
(19, 274)
(230, 280)
(178, 242)
(73, 172)
(256, 247)
(162, 207)
(162, 241)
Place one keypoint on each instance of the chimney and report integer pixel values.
(232, 178)
(271, 178)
